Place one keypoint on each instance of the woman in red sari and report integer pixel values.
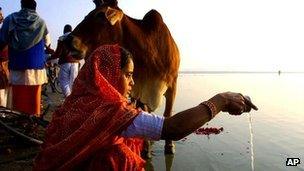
(94, 128)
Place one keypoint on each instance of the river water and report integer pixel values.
(262, 140)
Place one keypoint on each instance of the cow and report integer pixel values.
(155, 53)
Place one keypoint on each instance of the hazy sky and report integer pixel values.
(211, 34)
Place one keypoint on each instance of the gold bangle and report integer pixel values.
(211, 107)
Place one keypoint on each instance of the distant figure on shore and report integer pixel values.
(279, 72)
(69, 66)
(1, 16)
(4, 73)
(26, 35)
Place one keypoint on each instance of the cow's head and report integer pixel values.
(101, 26)
(99, 3)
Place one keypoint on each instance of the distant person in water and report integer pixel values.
(96, 128)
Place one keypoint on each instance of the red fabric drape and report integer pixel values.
(84, 132)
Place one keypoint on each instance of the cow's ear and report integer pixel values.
(113, 15)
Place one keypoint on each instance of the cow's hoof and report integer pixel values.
(170, 149)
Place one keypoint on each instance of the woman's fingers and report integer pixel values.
(236, 107)
(249, 103)
(237, 103)
(240, 104)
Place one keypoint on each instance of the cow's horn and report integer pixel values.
(113, 15)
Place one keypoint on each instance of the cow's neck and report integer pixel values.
(135, 40)
(133, 35)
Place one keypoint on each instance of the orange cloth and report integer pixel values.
(84, 133)
(27, 99)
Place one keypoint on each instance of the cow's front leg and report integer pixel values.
(147, 149)
(170, 97)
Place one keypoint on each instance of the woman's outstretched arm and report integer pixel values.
(186, 122)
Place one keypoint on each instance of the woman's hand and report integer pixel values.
(233, 103)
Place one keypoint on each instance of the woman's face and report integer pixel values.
(126, 79)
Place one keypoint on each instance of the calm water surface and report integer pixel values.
(278, 125)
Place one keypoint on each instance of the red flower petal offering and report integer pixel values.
(208, 131)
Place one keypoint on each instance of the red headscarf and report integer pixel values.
(84, 132)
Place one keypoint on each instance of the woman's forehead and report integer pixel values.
(129, 67)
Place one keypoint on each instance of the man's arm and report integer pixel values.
(58, 50)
